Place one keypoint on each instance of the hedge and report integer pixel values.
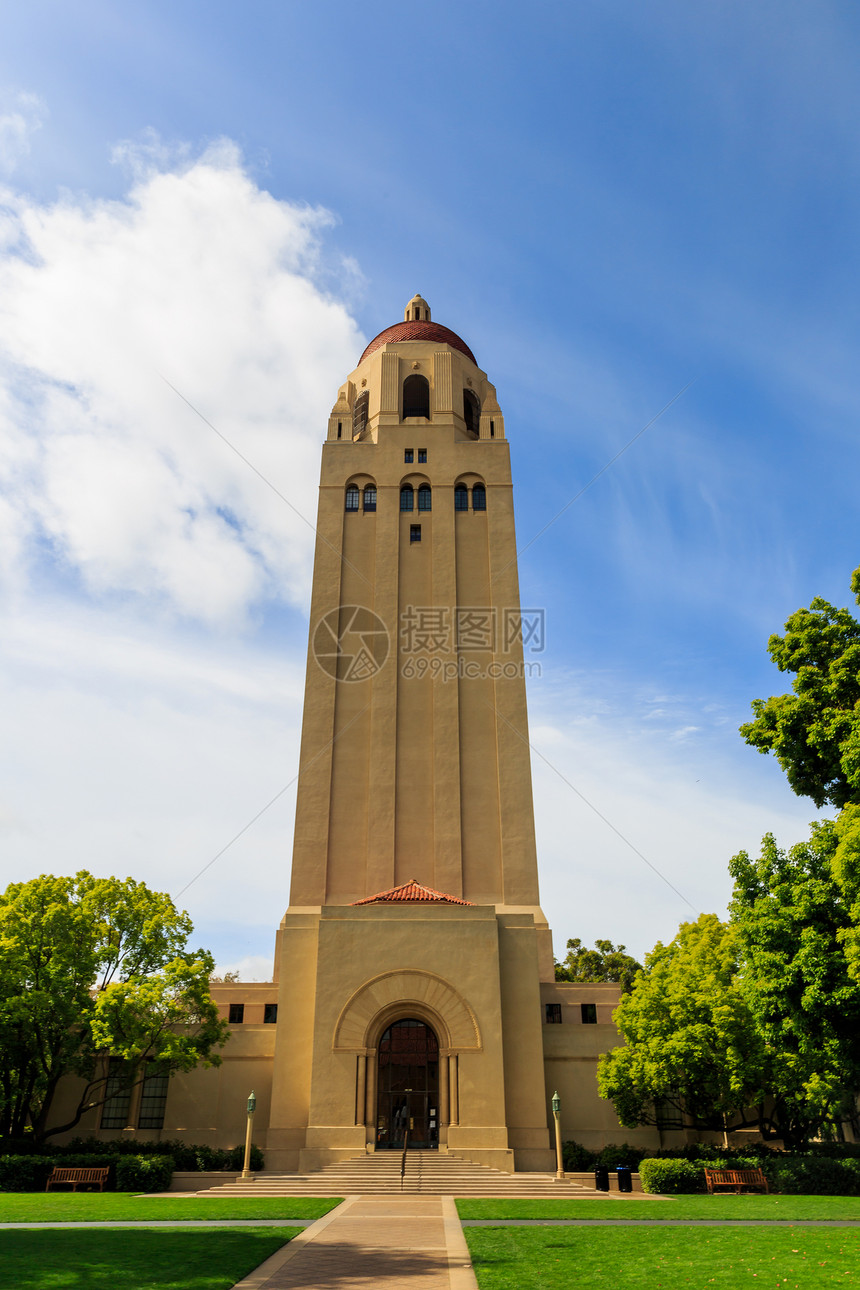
(672, 1177)
(185, 1156)
(791, 1175)
(144, 1173)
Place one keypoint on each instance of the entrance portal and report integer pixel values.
(408, 1065)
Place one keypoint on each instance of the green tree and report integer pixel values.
(815, 732)
(691, 1043)
(605, 962)
(796, 937)
(91, 967)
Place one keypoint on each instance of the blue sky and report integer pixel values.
(610, 202)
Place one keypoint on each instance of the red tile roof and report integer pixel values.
(416, 330)
(412, 891)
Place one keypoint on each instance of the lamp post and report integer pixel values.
(252, 1106)
(556, 1112)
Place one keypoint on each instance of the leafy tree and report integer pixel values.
(91, 967)
(691, 1041)
(815, 732)
(846, 871)
(798, 947)
(604, 963)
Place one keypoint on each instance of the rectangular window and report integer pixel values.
(153, 1099)
(237, 1014)
(115, 1109)
(408, 456)
(270, 1013)
(492, 429)
(370, 498)
(339, 429)
(422, 454)
(414, 532)
(589, 1014)
(553, 1014)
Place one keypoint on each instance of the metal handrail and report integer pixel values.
(403, 1157)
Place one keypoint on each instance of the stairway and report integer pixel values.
(428, 1173)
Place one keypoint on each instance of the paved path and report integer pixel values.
(169, 1222)
(413, 1243)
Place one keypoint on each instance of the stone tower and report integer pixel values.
(410, 958)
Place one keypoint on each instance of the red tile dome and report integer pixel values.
(418, 329)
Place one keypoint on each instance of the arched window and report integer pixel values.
(425, 500)
(416, 397)
(370, 497)
(359, 415)
(352, 497)
(407, 498)
(461, 498)
(479, 498)
(471, 413)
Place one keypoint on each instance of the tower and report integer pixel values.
(410, 958)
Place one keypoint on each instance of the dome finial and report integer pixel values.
(417, 310)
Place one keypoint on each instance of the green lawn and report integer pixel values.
(516, 1258)
(144, 1259)
(788, 1208)
(91, 1207)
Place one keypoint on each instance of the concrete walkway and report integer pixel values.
(413, 1243)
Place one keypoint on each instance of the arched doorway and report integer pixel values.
(408, 1087)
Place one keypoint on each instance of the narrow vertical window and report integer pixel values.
(492, 429)
(370, 497)
(414, 532)
(408, 456)
(340, 429)
(471, 413)
(422, 455)
(359, 415)
(153, 1098)
(461, 498)
(407, 498)
(352, 498)
(270, 1014)
(479, 498)
(425, 498)
(416, 397)
(118, 1096)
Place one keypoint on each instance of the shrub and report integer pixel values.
(237, 1157)
(613, 1155)
(812, 1175)
(24, 1173)
(671, 1177)
(577, 1158)
(144, 1173)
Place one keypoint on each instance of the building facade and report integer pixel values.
(413, 987)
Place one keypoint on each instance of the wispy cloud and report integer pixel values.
(21, 115)
(199, 276)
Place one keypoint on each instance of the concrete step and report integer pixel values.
(427, 1173)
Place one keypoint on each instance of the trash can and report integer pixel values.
(601, 1178)
(625, 1178)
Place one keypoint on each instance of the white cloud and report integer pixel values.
(201, 279)
(21, 115)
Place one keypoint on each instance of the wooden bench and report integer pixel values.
(736, 1179)
(75, 1178)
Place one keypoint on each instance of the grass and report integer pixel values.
(789, 1209)
(93, 1207)
(145, 1259)
(517, 1258)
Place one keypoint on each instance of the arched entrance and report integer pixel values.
(408, 1087)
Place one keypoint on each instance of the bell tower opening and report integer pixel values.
(408, 1098)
